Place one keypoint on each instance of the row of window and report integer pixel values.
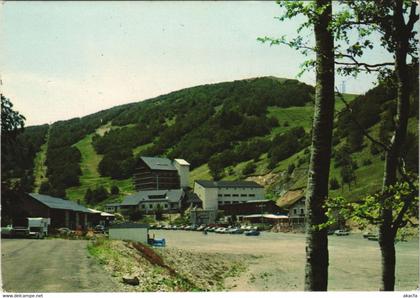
(143, 206)
(302, 211)
(229, 202)
(236, 195)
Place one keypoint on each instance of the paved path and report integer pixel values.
(55, 265)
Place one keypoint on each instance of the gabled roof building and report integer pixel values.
(151, 200)
(63, 213)
(157, 173)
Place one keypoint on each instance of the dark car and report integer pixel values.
(100, 229)
(252, 233)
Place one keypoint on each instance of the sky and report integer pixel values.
(62, 60)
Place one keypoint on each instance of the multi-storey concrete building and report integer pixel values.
(217, 193)
(157, 173)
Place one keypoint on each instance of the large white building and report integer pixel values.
(216, 193)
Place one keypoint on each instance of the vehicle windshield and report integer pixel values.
(35, 229)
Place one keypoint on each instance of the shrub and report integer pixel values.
(334, 184)
(115, 190)
(291, 168)
(367, 162)
(249, 168)
(136, 215)
(374, 149)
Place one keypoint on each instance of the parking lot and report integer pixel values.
(276, 260)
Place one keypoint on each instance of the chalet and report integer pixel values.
(294, 202)
(157, 173)
(63, 213)
(149, 201)
(214, 194)
(112, 207)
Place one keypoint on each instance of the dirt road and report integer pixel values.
(276, 260)
(51, 266)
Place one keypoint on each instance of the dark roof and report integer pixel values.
(228, 184)
(172, 195)
(113, 204)
(129, 225)
(57, 203)
(158, 163)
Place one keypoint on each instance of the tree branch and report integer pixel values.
(384, 146)
(413, 18)
(358, 63)
(407, 203)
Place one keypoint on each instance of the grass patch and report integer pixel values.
(91, 178)
(40, 169)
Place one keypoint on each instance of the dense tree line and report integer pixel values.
(286, 144)
(244, 151)
(17, 158)
(63, 159)
(198, 123)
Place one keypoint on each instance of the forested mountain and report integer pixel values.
(254, 127)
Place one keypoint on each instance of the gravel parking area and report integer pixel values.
(275, 261)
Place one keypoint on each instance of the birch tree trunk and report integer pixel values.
(387, 232)
(316, 269)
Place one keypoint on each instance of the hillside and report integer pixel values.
(255, 129)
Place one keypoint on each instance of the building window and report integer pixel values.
(219, 195)
(295, 211)
(143, 206)
(251, 195)
(243, 195)
(151, 206)
(235, 202)
(166, 206)
(235, 195)
(221, 203)
(227, 195)
(227, 202)
(302, 212)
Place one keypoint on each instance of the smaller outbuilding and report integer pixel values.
(129, 231)
(294, 202)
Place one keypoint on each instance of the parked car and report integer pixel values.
(201, 228)
(341, 233)
(221, 230)
(373, 237)
(7, 231)
(99, 229)
(252, 233)
(65, 231)
(236, 231)
(368, 234)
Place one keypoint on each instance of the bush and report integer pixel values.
(291, 168)
(136, 215)
(374, 149)
(334, 184)
(249, 168)
(115, 190)
(367, 162)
